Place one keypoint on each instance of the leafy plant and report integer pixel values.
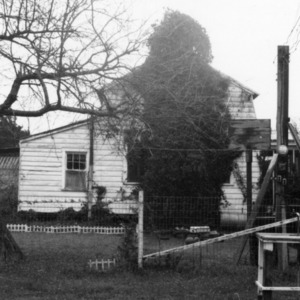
(240, 180)
(128, 250)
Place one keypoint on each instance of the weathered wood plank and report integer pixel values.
(40, 190)
(40, 183)
(38, 177)
(252, 133)
(278, 288)
(50, 194)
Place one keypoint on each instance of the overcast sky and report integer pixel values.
(244, 36)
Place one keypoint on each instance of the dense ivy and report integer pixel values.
(185, 134)
(184, 140)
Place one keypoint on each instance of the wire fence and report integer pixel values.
(67, 239)
(176, 222)
(181, 212)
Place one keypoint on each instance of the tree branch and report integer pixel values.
(55, 107)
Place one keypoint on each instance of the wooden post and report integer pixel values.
(267, 295)
(91, 169)
(249, 181)
(252, 238)
(141, 229)
(264, 264)
(282, 139)
(282, 95)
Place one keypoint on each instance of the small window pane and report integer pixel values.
(76, 161)
(82, 166)
(75, 180)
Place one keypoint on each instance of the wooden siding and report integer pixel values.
(240, 103)
(250, 133)
(42, 167)
(234, 213)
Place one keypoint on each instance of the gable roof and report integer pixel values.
(240, 85)
(79, 123)
(246, 89)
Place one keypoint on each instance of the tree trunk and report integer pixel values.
(9, 249)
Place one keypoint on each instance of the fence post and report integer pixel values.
(140, 229)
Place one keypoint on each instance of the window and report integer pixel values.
(75, 171)
(228, 176)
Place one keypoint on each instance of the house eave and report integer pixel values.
(246, 89)
(54, 131)
(240, 85)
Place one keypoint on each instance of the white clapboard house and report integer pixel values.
(55, 170)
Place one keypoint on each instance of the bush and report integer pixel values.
(128, 250)
(9, 202)
(171, 212)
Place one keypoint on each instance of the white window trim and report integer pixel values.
(64, 164)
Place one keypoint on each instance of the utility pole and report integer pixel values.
(282, 143)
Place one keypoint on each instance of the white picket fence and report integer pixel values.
(105, 265)
(64, 229)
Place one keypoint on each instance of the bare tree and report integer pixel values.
(58, 55)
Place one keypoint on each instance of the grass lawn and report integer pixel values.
(56, 268)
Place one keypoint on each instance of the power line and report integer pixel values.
(293, 29)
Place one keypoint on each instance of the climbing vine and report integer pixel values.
(240, 180)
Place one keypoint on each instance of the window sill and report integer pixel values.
(71, 190)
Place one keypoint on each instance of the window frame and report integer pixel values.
(64, 169)
(230, 180)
